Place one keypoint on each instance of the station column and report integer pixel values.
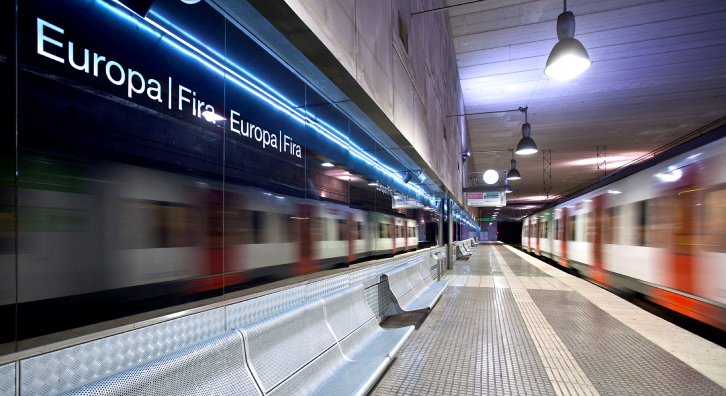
(449, 234)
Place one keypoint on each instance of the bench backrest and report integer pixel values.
(282, 344)
(347, 310)
(399, 285)
(412, 275)
(424, 270)
(213, 367)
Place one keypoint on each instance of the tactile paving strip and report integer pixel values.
(617, 360)
(474, 342)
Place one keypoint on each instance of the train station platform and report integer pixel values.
(509, 324)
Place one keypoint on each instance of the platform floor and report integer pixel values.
(510, 324)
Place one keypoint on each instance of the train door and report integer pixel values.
(310, 233)
(597, 272)
(563, 238)
(404, 225)
(214, 238)
(537, 235)
(353, 236)
(392, 233)
(529, 235)
(676, 226)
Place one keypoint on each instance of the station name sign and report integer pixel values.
(403, 202)
(138, 84)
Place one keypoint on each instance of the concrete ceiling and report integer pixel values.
(658, 73)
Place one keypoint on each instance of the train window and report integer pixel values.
(557, 229)
(234, 231)
(640, 210)
(272, 223)
(590, 226)
(661, 221)
(342, 230)
(327, 235)
(715, 220)
(617, 225)
(612, 225)
(360, 230)
(608, 226)
(382, 231)
(153, 224)
(546, 229)
(389, 230)
(7, 229)
(572, 232)
(258, 227)
(684, 221)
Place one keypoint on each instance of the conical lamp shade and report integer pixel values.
(568, 59)
(526, 146)
(513, 174)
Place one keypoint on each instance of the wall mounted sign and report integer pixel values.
(52, 44)
(404, 202)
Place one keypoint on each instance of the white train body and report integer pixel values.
(660, 232)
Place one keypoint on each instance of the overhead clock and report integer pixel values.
(491, 176)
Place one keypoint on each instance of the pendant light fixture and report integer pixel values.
(569, 57)
(526, 145)
(507, 189)
(513, 173)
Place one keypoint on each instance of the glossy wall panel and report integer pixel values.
(169, 162)
(8, 233)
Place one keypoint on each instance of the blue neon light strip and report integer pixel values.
(278, 101)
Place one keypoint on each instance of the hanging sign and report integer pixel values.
(487, 199)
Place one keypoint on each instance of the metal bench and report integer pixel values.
(463, 252)
(469, 245)
(328, 346)
(413, 289)
(213, 367)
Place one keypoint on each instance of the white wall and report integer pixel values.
(416, 89)
(489, 232)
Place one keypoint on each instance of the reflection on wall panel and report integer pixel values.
(170, 162)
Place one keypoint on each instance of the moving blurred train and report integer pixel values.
(127, 239)
(658, 232)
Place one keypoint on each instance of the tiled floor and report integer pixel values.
(509, 324)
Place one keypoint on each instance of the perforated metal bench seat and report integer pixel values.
(463, 252)
(467, 247)
(329, 346)
(413, 289)
(213, 367)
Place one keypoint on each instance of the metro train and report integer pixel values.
(659, 234)
(125, 234)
